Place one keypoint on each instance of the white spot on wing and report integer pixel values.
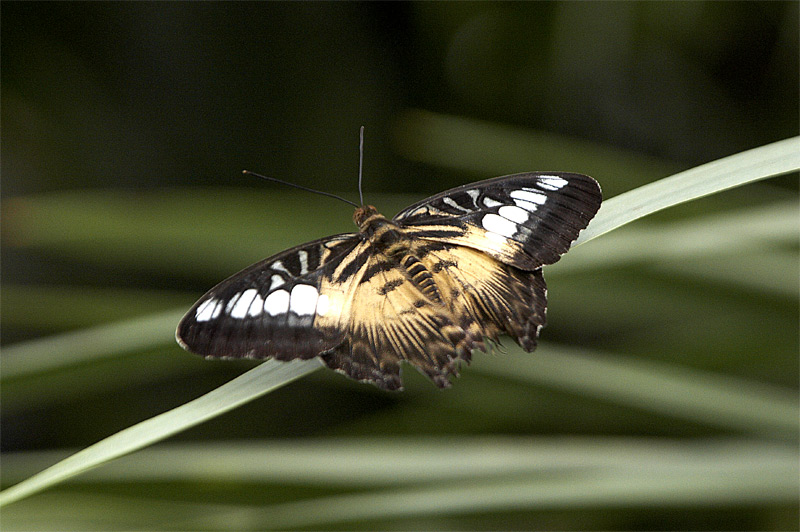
(303, 257)
(552, 182)
(498, 224)
(278, 265)
(450, 201)
(217, 310)
(323, 304)
(527, 205)
(277, 281)
(489, 202)
(529, 195)
(304, 300)
(257, 306)
(232, 301)
(242, 305)
(515, 214)
(277, 303)
(205, 311)
(474, 195)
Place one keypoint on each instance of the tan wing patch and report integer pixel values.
(395, 316)
(488, 297)
(338, 290)
(392, 321)
(503, 249)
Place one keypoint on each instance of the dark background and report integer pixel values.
(151, 94)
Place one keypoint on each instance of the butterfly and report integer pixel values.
(439, 280)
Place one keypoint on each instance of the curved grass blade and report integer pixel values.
(389, 461)
(383, 467)
(657, 481)
(747, 167)
(687, 240)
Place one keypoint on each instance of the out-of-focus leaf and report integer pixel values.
(487, 148)
(716, 400)
(415, 477)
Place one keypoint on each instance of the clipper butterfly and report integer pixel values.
(425, 288)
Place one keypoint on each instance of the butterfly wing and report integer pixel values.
(524, 220)
(484, 245)
(288, 306)
(487, 297)
(393, 321)
(432, 310)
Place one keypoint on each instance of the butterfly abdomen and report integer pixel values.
(422, 278)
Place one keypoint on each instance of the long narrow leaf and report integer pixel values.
(747, 483)
(382, 461)
(400, 474)
(686, 240)
(747, 167)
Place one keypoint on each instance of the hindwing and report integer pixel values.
(487, 297)
(394, 319)
(524, 220)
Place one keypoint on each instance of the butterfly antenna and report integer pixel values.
(248, 172)
(360, 164)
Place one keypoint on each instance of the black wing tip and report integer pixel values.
(182, 334)
(180, 341)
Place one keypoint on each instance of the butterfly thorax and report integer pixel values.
(384, 235)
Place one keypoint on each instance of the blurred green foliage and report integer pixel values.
(126, 127)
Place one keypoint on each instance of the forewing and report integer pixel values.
(288, 306)
(524, 220)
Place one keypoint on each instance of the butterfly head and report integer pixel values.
(363, 215)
